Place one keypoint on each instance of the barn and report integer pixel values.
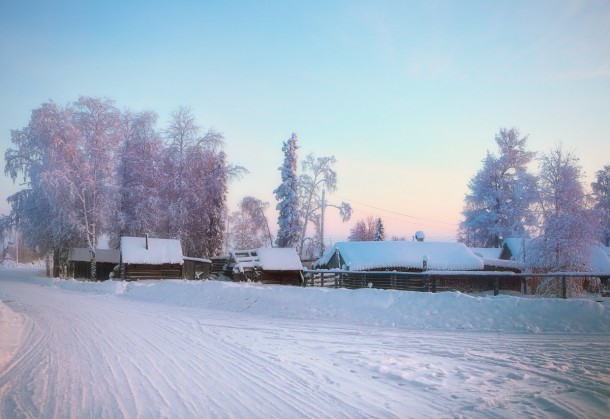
(267, 265)
(150, 258)
(106, 260)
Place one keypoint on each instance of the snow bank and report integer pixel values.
(415, 310)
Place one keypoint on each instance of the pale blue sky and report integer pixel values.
(407, 95)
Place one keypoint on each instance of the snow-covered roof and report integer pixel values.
(369, 255)
(267, 258)
(502, 263)
(516, 246)
(487, 252)
(133, 250)
(600, 261)
(82, 254)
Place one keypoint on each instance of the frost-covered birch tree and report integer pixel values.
(568, 227)
(248, 227)
(288, 196)
(601, 194)
(195, 195)
(65, 156)
(140, 177)
(500, 201)
(318, 178)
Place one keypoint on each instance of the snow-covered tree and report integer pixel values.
(379, 230)
(364, 230)
(601, 194)
(287, 194)
(568, 227)
(318, 178)
(198, 177)
(67, 156)
(140, 177)
(502, 193)
(249, 227)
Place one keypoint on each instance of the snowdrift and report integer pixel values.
(402, 309)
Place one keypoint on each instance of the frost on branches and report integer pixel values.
(502, 193)
(568, 231)
(92, 170)
(287, 195)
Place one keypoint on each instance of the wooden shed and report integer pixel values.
(267, 265)
(106, 260)
(196, 268)
(150, 258)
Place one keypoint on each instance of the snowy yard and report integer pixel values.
(214, 349)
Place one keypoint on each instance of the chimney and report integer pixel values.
(147, 242)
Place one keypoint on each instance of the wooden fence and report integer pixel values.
(436, 281)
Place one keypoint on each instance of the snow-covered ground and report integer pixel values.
(215, 349)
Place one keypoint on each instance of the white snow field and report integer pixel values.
(213, 349)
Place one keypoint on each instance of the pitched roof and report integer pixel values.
(133, 250)
(369, 255)
(487, 252)
(82, 254)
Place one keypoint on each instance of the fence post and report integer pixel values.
(322, 280)
(496, 285)
(564, 288)
(433, 279)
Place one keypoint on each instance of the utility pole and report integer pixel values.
(322, 208)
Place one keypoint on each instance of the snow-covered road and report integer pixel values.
(91, 353)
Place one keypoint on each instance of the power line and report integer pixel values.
(399, 213)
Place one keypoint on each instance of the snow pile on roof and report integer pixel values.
(279, 259)
(487, 252)
(133, 250)
(82, 254)
(268, 259)
(501, 263)
(516, 247)
(600, 262)
(358, 256)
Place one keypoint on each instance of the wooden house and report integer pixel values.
(150, 258)
(453, 265)
(105, 261)
(267, 265)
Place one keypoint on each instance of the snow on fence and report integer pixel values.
(464, 281)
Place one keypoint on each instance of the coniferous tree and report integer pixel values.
(379, 231)
(287, 195)
(502, 193)
(601, 193)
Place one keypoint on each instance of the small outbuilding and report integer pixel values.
(267, 265)
(151, 258)
(106, 260)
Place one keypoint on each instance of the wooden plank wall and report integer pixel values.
(165, 271)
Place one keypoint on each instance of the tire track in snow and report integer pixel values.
(102, 355)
